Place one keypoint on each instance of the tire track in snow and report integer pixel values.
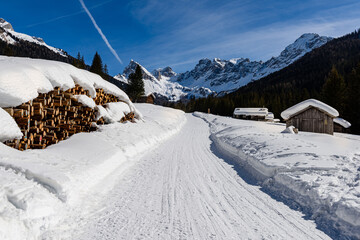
(181, 190)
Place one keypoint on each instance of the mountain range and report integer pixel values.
(217, 76)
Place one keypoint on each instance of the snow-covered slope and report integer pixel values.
(160, 85)
(9, 35)
(228, 75)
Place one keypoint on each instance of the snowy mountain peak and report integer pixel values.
(10, 36)
(131, 69)
(229, 75)
(161, 73)
(6, 25)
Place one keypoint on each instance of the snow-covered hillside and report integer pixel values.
(228, 75)
(10, 36)
(317, 173)
(160, 85)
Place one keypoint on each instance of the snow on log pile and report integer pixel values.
(317, 173)
(50, 101)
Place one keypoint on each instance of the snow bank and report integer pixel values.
(319, 173)
(8, 128)
(41, 188)
(307, 103)
(289, 129)
(21, 79)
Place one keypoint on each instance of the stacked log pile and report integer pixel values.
(55, 116)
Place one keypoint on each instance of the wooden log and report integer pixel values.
(37, 146)
(18, 113)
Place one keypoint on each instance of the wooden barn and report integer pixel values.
(311, 116)
(258, 114)
(150, 98)
(341, 125)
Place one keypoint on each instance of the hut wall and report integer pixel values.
(250, 117)
(150, 99)
(312, 120)
(340, 129)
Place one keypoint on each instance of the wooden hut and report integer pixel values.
(341, 125)
(258, 114)
(311, 116)
(150, 98)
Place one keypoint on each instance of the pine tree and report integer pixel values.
(82, 63)
(97, 66)
(106, 71)
(136, 84)
(333, 90)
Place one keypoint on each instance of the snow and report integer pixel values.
(342, 122)
(183, 190)
(288, 113)
(251, 111)
(289, 129)
(168, 177)
(270, 116)
(40, 189)
(21, 79)
(85, 100)
(9, 130)
(319, 173)
(117, 110)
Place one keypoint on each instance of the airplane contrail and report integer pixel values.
(67, 15)
(100, 32)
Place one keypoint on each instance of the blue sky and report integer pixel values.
(177, 33)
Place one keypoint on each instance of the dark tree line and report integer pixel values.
(330, 73)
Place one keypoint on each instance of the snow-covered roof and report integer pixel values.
(151, 94)
(342, 122)
(269, 116)
(251, 111)
(288, 113)
(22, 79)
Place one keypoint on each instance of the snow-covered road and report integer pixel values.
(182, 190)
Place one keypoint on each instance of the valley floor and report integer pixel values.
(182, 190)
(171, 177)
